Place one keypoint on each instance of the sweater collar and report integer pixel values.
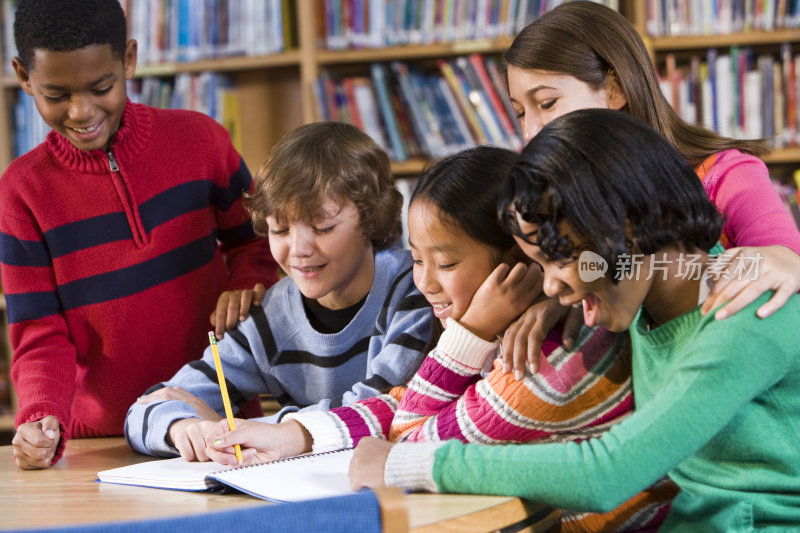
(667, 333)
(130, 139)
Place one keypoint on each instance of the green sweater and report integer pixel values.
(717, 408)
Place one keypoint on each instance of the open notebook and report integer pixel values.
(305, 477)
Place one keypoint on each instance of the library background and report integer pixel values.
(422, 77)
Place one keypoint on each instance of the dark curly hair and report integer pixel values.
(614, 181)
(64, 25)
(324, 160)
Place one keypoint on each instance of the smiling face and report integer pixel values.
(613, 306)
(81, 93)
(449, 266)
(539, 96)
(329, 259)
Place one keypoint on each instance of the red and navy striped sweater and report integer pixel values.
(112, 262)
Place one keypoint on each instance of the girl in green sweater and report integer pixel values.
(621, 226)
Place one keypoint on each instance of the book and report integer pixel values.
(379, 81)
(294, 479)
(423, 132)
(477, 96)
(175, 474)
(499, 110)
(367, 106)
(467, 109)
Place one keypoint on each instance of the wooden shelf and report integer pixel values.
(412, 52)
(750, 38)
(8, 80)
(784, 156)
(222, 64)
(410, 168)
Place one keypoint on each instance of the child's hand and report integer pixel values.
(188, 436)
(505, 294)
(176, 393)
(778, 268)
(522, 340)
(260, 441)
(35, 443)
(234, 306)
(368, 464)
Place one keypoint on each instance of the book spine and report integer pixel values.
(330, 96)
(366, 103)
(465, 135)
(349, 93)
(724, 94)
(379, 80)
(419, 124)
(778, 101)
(435, 138)
(765, 64)
(501, 88)
(498, 109)
(479, 99)
(446, 68)
(790, 89)
(442, 116)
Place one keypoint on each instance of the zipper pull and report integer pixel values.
(112, 162)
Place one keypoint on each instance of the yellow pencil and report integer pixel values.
(224, 391)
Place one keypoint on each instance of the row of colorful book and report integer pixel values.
(189, 30)
(430, 113)
(380, 23)
(208, 92)
(738, 93)
(712, 17)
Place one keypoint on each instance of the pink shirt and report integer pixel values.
(739, 185)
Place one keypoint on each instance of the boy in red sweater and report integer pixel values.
(119, 234)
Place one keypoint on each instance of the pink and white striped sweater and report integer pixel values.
(577, 394)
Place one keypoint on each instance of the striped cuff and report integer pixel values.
(325, 428)
(465, 347)
(158, 423)
(410, 466)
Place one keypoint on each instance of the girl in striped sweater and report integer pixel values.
(460, 253)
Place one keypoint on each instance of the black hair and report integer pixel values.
(614, 181)
(65, 25)
(464, 188)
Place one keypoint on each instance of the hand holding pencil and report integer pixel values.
(223, 388)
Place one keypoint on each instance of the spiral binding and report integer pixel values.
(284, 460)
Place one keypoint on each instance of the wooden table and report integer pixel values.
(68, 494)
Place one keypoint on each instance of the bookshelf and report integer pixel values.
(783, 160)
(276, 91)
